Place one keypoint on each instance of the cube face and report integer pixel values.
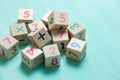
(58, 20)
(40, 37)
(60, 37)
(32, 56)
(25, 15)
(52, 55)
(45, 17)
(76, 30)
(19, 31)
(35, 26)
(76, 49)
(8, 46)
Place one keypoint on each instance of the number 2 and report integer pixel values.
(52, 49)
(26, 14)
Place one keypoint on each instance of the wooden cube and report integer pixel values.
(35, 26)
(19, 31)
(76, 49)
(39, 37)
(45, 18)
(8, 46)
(25, 15)
(77, 30)
(32, 56)
(58, 20)
(60, 37)
(52, 55)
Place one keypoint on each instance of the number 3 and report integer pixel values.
(26, 14)
(74, 26)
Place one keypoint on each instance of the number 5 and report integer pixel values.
(62, 17)
(26, 14)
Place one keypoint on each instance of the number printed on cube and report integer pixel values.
(76, 49)
(76, 30)
(19, 31)
(52, 55)
(8, 46)
(60, 37)
(32, 27)
(45, 18)
(32, 56)
(58, 20)
(25, 15)
(39, 37)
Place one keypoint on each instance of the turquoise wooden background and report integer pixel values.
(102, 21)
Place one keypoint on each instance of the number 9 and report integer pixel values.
(75, 45)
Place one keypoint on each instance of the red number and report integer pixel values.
(30, 51)
(61, 33)
(26, 59)
(7, 39)
(14, 50)
(52, 49)
(54, 61)
(80, 35)
(35, 25)
(71, 53)
(62, 17)
(26, 14)
(3, 52)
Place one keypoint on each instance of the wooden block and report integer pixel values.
(45, 18)
(60, 37)
(76, 49)
(77, 30)
(25, 15)
(39, 37)
(19, 31)
(32, 56)
(52, 55)
(58, 20)
(8, 46)
(35, 26)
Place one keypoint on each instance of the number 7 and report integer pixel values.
(61, 33)
(8, 40)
